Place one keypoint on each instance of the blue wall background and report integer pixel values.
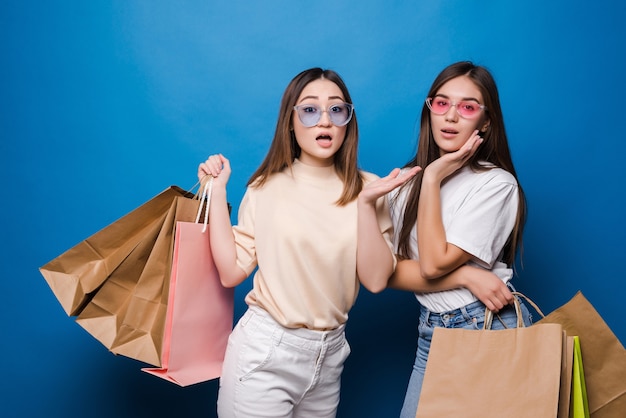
(103, 104)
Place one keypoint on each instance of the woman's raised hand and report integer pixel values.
(216, 166)
(449, 163)
(380, 187)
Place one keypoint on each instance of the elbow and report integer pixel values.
(376, 286)
(430, 272)
(227, 283)
(232, 279)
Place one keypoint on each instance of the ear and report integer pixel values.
(485, 126)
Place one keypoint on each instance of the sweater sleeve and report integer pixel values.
(244, 233)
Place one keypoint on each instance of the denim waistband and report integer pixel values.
(473, 312)
(465, 313)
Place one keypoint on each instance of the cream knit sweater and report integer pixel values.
(304, 246)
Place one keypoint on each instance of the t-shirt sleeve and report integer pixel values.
(483, 222)
(244, 233)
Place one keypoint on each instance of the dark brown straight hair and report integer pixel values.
(494, 149)
(285, 149)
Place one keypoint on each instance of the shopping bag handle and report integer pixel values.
(518, 311)
(206, 186)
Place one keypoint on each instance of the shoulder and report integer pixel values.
(499, 175)
(492, 174)
(490, 182)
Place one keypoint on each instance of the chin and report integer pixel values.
(448, 150)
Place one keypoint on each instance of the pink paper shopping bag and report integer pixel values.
(199, 313)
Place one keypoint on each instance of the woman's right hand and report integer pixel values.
(216, 166)
(451, 162)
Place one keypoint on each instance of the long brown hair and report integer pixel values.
(284, 148)
(494, 149)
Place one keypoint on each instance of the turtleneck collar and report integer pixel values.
(301, 169)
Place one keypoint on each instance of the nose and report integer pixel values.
(452, 114)
(324, 119)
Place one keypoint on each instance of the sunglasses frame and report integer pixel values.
(456, 107)
(321, 111)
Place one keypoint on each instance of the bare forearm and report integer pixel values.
(485, 285)
(375, 260)
(408, 276)
(434, 252)
(437, 256)
(222, 239)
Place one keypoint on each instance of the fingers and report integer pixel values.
(468, 148)
(497, 303)
(413, 171)
(491, 306)
(203, 171)
(449, 163)
(398, 176)
(374, 190)
(500, 299)
(213, 165)
(394, 173)
(472, 143)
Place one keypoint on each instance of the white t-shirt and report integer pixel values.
(478, 210)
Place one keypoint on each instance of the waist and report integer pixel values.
(449, 300)
(446, 301)
(472, 309)
(303, 337)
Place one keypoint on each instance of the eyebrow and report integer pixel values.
(464, 99)
(317, 98)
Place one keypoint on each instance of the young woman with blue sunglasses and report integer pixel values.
(314, 231)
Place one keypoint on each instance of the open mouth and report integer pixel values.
(323, 138)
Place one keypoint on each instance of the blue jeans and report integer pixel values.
(471, 316)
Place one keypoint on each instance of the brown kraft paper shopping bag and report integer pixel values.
(513, 373)
(603, 355)
(140, 306)
(102, 316)
(565, 389)
(77, 273)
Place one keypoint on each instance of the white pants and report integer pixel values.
(275, 372)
